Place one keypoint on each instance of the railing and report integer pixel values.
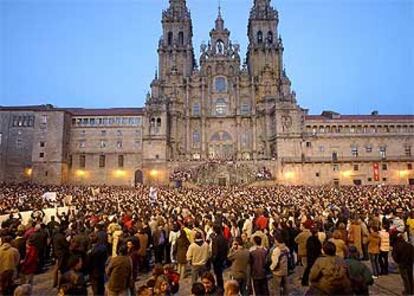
(326, 159)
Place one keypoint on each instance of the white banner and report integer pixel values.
(26, 216)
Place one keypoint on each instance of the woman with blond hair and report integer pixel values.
(341, 249)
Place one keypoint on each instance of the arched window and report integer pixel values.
(259, 37)
(170, 38)
(220, 84)
(152, 123)
(245, 108)
(196, 109)
(181, 38)
(196, 139)
(270, 37)
(221, 107)
(158, 122)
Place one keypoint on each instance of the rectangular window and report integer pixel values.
(103, 133)
(308, 144)
(42, 144)
(44, 119)
(321, 149)
(119, 144)
(354, 151)
(368, 149)
(92, 121)
(41, 155)
(119, 133)
(245, 108)
(82, 144)
(70, 160)
(82, 161)
(383, 151)
(102, 161)
(384, 167)
(335, 168)
(19, 143)
(120, 161)
(356, 167)
(409, 166)
(196, 109)
(407, 150)
(103, 144)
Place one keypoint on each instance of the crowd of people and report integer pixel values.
(205, 174)
(110, 237)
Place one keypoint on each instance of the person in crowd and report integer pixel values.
(355, 235)
(119, 273)
(97, 257)
(258, 271)
(410, 226)
(359, 274)
(219, 252)
(197, 289)
(181, 247)
(403, 255)
(162, 286)
(337, 239)
(197, 254)
(209, 283)
(301, 240)
(313, 251)
(9, 262)
(29, 263)
(240, 264)
(231, 288)
(279, 266)
(374, 243)
(384, 248)
(329, 274)
(73, 282)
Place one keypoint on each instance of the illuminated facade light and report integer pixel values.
(346, 174)
(289, 175)
(404, 173)
(154, 173)
(28, 171)
(80, 173)
(119, 173)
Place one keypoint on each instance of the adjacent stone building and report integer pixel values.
(216, 121)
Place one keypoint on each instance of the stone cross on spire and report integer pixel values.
(219, 20)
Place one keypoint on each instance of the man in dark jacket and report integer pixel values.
(219, 250)
(61, 252)
(313, 251)
(97, 259)
(258, 270)
(403, 255)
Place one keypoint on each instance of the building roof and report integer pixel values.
(367, 118)
(106, 112)
(79, 111)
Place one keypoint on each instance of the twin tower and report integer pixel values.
(218, 107)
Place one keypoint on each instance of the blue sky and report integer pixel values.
(352, 56)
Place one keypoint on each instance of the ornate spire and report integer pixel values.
(219, 20)
(176, 11)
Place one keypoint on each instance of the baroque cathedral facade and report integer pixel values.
(221, 120)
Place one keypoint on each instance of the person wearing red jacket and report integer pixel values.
(29, 263)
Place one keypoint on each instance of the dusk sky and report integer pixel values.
(351, 56)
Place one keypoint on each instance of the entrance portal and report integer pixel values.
(139, 177)
(222, 182)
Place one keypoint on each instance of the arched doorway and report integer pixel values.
(139, 177)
